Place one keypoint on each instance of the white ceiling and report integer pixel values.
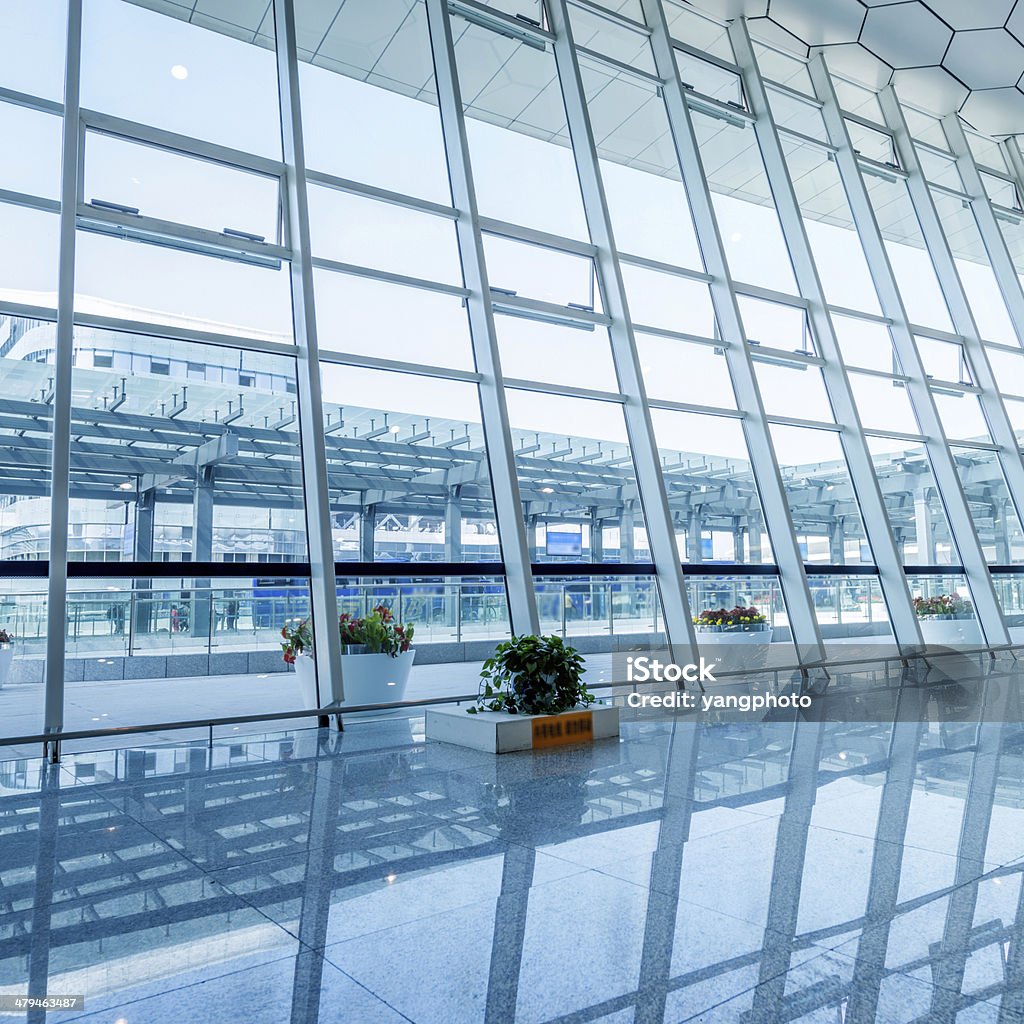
(942, 55)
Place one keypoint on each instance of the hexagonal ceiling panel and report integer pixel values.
(942, 55)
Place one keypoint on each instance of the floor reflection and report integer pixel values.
(861, 861)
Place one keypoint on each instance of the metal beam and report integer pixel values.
(940, 458)
(675, 605)
(906, 628)
(494, 411)
(771, 490)
(63, 359)
(323, 587)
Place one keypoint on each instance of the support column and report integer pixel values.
(807, 638)
(202, 550)
(367, 528)
(596, 539)
(494, 411)
(145, 532)
(942, 464)
(453, 525)
(627, 544)
(323, 585)
(754, 539)
(679, 631)
(863, 478)
(1001, 530)
(60, 461)
(924, 527)
(837, 542)
(694, 538)
(739, 532)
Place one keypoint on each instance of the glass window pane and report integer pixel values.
(26, 131)
(776, 324)
(138, 281)
(556, 354)
(26, 376)
(821, 498)
(513, 103)
(790, 112)
(709, 79)
(378, 318)
(164, 72)
(682, 372)
(940, 170)
(793, 390)
(883, 404)
(855, 99)
(992, 510)
(28, 255)
(665, 300)
(983, 294)
(354, 229)
(834, 241)
(865, 344)
(36, 64)
(869, 142)
(944, 360)
(1001, 191)
(688, 26)
(576, 478)
(646, 199)
(751, 233)
(961, 415)
(171, 186)
(911, 264)
(713, 522)
(912, 501)
(538, 272)
(407, 468)
(986, 151)
(370, 114)
(602, 35)
(1008, 369)
(139, 409)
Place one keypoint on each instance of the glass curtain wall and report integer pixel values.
(455, 429)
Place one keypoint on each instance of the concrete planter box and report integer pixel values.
(947, 631)
(6, 657)
(497, 732)
(368, 678)
(735, 649)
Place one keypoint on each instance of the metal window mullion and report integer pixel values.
(996, 416)
(322, 584)
(661, 535)
(60, 438)
(939, 455)
(508, 504)
(863, 477)
(764, 465)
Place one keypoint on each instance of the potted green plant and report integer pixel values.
(947, 620)
(6, 654)
(741, 636)
(376, 661)
(533, 675)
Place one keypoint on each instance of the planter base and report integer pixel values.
(499, 733)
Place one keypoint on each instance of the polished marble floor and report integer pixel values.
(857, 861)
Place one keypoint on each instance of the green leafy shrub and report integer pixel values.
(532, 675)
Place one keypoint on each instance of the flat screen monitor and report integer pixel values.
(564, 542)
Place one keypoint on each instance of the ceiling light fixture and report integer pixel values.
(179, 71)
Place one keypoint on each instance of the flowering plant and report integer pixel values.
(738, 616)
(944, 604)
(378, 632)
(5, 637)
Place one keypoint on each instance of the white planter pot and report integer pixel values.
(6, 657)
(735, 651)
(939, 632)
(367, 678)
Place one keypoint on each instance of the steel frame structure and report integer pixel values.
(76, 213)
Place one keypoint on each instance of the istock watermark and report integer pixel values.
(644, 669)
